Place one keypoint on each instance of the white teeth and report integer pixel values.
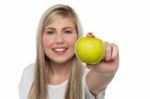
(59, 49)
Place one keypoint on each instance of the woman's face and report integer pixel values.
(59, 40)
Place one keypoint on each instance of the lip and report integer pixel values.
(59, 50)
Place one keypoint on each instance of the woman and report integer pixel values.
(57, 73)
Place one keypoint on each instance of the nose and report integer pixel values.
(59, 39)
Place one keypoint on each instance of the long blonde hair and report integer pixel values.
(38, 89)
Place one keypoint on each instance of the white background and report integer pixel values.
(125, 22)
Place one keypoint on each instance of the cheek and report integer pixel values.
(72, 41)
(46, 41)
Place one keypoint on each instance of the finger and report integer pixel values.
(114, 51)
(108, 51)
(89, 34)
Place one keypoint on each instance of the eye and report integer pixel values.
(68, 31)
(49, 32)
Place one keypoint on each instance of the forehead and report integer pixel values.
(62, 22)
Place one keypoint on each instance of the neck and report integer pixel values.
(57, 73)
(61, 68)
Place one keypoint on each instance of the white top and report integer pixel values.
(54, 91)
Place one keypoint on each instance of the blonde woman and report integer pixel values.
(57, 73)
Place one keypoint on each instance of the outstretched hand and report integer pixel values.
(110, 62)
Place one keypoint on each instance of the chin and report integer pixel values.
(63, 60)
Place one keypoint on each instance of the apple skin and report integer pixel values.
(89, 50)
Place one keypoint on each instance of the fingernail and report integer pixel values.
(90, 33)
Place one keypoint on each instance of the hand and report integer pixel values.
(110, 62)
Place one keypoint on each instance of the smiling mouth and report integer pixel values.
(59, 51)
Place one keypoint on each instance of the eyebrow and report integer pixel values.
(62, 28)
(49, 28)
(68, 28)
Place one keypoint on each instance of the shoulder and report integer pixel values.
(29, 69)
(28, 73)
(26, 80)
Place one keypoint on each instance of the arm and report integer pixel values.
(101, 74)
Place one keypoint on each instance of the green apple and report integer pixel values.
(89, 49)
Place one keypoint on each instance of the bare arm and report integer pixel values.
(101, 74)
